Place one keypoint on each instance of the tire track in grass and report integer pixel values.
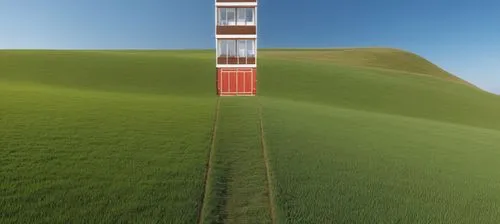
(270, 194)
(236, 189)
(204, 196)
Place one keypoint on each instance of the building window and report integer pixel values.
(241, 16)
(234, 48)
(236, 16)
(250, 48)
(249, 16)
(227, 48)
(231, 17)
(240, 49)
(222, 48)
(222, 15)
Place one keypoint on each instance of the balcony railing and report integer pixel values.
(236, 60)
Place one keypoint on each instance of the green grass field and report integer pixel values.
(237, 185)
(351, 136)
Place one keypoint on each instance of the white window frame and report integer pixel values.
(221, 22)
(241, 49)
(238, 21)
(251, 23)
(237, 12)
(253, 55)
(235, 16)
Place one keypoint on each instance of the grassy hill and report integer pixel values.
(374, 58)
(352, 136)
(99, 137)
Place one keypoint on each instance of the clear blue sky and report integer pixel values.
(461, 36)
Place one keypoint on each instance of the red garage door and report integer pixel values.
(233, 82)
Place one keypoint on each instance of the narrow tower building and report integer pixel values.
(236, 47)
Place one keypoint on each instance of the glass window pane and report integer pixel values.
(249, 15)
(241, 16)
(222, 17)
(242, 48)
(251, 48)
(231, 46)
(222, 47)
(231, 16)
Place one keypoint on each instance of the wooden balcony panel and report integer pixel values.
(235, 7)
(234, 30)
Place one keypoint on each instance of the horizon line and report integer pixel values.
(200, 49)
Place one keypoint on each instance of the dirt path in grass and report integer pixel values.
(238, 178)
(209, 164)
(270, 193)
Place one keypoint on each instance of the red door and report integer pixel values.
(240, 81)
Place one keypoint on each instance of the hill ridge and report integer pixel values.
(371, 57)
